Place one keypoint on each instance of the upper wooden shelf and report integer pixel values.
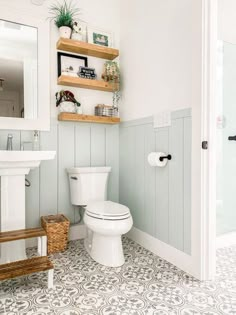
(87, 83)
(88, 49)
(88, 118)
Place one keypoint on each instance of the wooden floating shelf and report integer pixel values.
(88, 118)
(88, 49)
(87, 83)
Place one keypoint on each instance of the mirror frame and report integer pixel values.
(42, 122)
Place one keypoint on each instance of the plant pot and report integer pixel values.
(67, 107)
(77, 36)
(65, 31)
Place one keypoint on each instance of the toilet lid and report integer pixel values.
(108, 210)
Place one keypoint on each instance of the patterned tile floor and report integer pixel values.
(144, 285)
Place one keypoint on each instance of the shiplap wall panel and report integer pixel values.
(159, 198)
(82, 145)
(149, 183)
(162, 188)
(66, 159)
(127, 165)
(98, 145)
(139, 176)
(176, 185)
(48, 173)
(49, 191)
(112, 154)
(187, 184)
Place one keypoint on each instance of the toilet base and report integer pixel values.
(107, 251)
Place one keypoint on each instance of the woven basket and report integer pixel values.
(56, 227)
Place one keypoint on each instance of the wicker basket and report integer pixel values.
(56, 227)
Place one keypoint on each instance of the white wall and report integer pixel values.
(227, 21)
(104, 14)
(157, 55)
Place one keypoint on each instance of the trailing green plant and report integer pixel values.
(63, 14)
(112, 74)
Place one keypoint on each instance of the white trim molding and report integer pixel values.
(165, 251)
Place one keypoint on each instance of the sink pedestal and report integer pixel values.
(14, 165)
(13, 213)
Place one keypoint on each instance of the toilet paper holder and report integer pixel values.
(168, 157)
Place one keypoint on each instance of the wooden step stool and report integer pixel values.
(30, 265)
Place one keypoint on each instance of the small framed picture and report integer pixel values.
(68, 64)
(99, 37)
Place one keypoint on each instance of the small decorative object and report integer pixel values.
(67, 102)
(87, 73)
(99, 37)
(68, 64)
(63, 15)
(77, 31)
(111, 73)
(106, 110)
(57, 228)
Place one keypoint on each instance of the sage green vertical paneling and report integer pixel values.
(127, 169)
(32, 200)
(176, 185)
(82, 145)
(187, 184)
(98, 145)
(139, 176)
(66, 159)
(48, 173)
(162, 188)
(112, 159)
(149, 182)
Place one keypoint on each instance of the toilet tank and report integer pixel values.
(88, 184)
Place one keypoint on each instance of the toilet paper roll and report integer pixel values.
(154, 159)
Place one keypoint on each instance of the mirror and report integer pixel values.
(18, 70)
(24, 71)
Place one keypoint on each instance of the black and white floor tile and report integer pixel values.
(144, 285)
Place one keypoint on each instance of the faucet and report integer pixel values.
(9, 142)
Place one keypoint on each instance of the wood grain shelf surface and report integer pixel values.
(87, 83)
(21, 234)
(24, 267)
(88, 118)
(88, 49)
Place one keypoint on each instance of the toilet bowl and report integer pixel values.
(106, 221)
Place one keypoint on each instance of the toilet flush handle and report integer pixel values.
(73, 177)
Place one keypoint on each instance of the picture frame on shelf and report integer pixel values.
(99, 37)
(79, 31)
(68, 64)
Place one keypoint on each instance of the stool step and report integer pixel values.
(21, 234)
(24, 267)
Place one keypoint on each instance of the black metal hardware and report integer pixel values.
(232, 138)
(73, 177)
(27, 183)
(204, 145)
(168, 157)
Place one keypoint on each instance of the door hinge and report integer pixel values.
(204, 145)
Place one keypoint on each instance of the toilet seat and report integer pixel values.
(107, 210)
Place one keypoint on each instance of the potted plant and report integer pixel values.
(111, 73)
(63, 15)
(67, 102)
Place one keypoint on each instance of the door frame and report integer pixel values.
(208, 133)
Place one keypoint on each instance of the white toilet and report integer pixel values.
(106, 221)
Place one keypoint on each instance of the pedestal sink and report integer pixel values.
(14, 165)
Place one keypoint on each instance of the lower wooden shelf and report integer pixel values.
(88, 118)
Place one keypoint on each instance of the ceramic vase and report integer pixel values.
(65, 31)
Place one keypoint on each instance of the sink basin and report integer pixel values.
(24, 159)
(14, 165)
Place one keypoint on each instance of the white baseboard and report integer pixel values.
(163, 250)
(76, 232)
(226, 240)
